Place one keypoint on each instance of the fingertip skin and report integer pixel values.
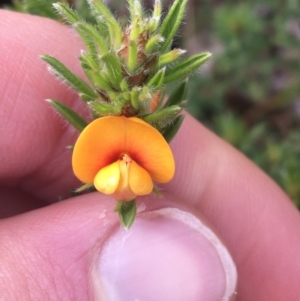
(46, 254)
(256, 219)
(34, 137)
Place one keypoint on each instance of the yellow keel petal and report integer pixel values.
(139, 180)
(108, 178)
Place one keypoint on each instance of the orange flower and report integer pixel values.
(121, 156)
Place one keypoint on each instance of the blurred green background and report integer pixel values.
(249, 92)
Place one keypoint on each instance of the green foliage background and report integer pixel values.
(249, 92)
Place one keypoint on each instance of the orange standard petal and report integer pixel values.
(107, 141)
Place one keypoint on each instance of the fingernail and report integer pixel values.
(167, 254)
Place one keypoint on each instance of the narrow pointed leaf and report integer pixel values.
(171, 130)
(87, 61)
(90, 32)
(98, 80)
(171, 22)
(157, 9)
(178, 95)
(67, 13)
(114, 27)
(135, 8)
(157, 192)
(186, 67)
(127, 213)
(170, 56)
(63, 73)
(153, 43)
(131, 9)
(134, 97)
(113, 68)
(163, 117)
(105, 109)
(157, 80)
(84, 187)
(132, 56)
(42, 8)
(124, 85)
(90, 45)
(154, 21)
(72, 117)
(161, 97)
(85, 97)
(138, 9)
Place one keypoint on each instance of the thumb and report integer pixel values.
(76, 250)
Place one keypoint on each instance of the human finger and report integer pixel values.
(33, 138)
(77, 250)
(251, 213)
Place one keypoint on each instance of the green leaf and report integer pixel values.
(171, 130)
(186, 67)
(115, 30)
(90, 45)
(157, 10)
(134, 97)
(170, 56)
(131, 9)
(153, 43)
(157, 192)
(87, 61)
(72, 117)
(85, 97)
(132, 56)
(124, 85)
(163, 117)
(113, 68)
(67, 13)
(99, 80)
(64, 74)
(89, 32)
(155, 19)
(104, 109)
(135, 8)
(157, 80)
(34, 7)
(171, 22)
(177, 96)
(127, 212)
(84, 187)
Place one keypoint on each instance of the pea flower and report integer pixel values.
(122, 157)
(127, 67)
